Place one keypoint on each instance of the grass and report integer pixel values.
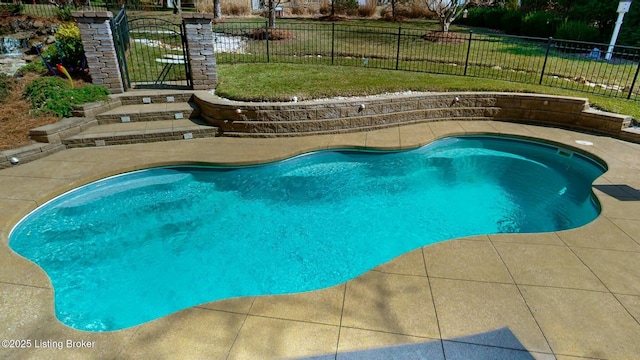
(389, 45)
(280, 82)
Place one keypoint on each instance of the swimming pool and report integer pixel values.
(135, 247)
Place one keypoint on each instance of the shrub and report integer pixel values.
(64, 14)
(493, 17)
(298, 10)
(577, 30)
(407, 10)
(235, 8)
(325, 7)
(53, 95)
(11, 9)
(6, 83)
(68, 50)
(37, 66)
(475, 17)
(274, 34)
(539, 24)
(348, 7)
(418, 10)
(369, 9)
(511, 22)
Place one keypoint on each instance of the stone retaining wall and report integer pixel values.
(236, 118)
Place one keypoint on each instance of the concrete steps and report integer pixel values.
(147, 112)
(139, 117)
(140, 132)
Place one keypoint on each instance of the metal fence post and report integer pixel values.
(546, 56)
(466, 61)
(333, 36)
(266, 36)
(398, 51)
(633, 83)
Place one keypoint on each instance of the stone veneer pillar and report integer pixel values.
(99, 48)
(199, 36)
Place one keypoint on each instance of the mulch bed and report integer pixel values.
(274, 34)
(444, 38)
(16, 119)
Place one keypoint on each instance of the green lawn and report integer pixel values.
(280, 82)
(387, 45)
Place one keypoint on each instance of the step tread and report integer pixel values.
(632, 129)
(125, 110)
(141, 128)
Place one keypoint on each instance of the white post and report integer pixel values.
(623, 8)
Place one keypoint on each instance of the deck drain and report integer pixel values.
(584, 142)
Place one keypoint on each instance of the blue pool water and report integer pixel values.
(135, 247)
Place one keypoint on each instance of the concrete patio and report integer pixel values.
(566, 295)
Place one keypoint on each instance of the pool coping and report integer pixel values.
(565, 294)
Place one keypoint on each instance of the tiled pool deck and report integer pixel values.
(567, 295)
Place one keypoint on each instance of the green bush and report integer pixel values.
(37, 66)
(539, 24)
(349, 7)
(492, 17)
(475, 17)
(577, 30)
(11, 9)
(68, 49)
(511, 22)
(6, 83)
(53, 95)
(64, 14)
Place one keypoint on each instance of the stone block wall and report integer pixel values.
(236, 118)
(202, 61)
(99, 48)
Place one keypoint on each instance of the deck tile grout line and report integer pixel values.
(240, 329)
(433, 302)
(602, 282)
(524, 300)
(344, 299)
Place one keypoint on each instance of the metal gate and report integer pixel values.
(151, 53)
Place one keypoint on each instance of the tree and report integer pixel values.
(448, 11)
(217, 9)
(271, 7)
(177, 7)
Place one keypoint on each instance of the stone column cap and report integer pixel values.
(197, 16)
(92, 14)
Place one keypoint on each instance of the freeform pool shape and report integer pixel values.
(135, 247)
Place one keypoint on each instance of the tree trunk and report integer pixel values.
(217, 9)
(177, 7)
(272, 14)
(445, 24)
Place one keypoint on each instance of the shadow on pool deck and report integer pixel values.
(461, 348)
(620, 192)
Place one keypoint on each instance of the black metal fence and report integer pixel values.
(121, 40)
(579, 66)
(151, 52)
(62, 8)
(44, 8)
